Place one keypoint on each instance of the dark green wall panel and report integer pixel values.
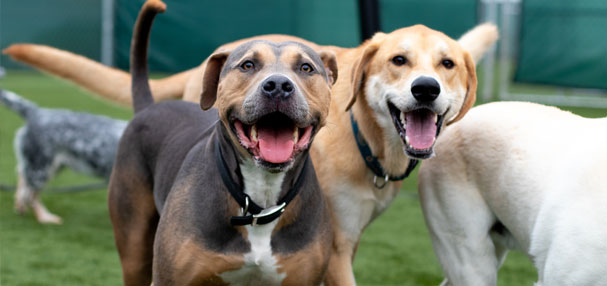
(564, 43)
(191, 29)
(73, 25)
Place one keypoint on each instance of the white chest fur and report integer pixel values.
(260, 266)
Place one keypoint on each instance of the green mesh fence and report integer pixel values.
(73, 25)
(453, 17)
(191, 29)
(564, 43)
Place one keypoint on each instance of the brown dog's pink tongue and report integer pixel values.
(421, 128)
(275, 144)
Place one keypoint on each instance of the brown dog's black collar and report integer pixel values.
(257, 214)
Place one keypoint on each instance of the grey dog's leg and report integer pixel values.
(34, 166)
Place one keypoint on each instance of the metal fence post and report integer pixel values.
(107, 32)
(489, 8)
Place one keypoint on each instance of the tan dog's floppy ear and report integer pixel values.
(359, 70)
(330, 61)
(210, 78)
(471, 93)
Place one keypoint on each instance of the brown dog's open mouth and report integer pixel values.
(274, 138)
(418, 129)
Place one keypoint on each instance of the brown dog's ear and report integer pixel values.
(210, 78)
(358, 71)
(330, 61)
(471, 93)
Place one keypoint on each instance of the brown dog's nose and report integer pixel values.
(277, 86)
(425, 89)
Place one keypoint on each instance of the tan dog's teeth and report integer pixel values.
(254, 133)
(296, 135)
(435, 118)
(407, 140)
(403, 120)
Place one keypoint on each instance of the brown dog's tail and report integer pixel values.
(109, 83)
(140, 87)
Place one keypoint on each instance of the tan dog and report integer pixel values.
(399, 86)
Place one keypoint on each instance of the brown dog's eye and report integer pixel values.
(306, 68)
(448, 64)
(399, 60)
(247, 65)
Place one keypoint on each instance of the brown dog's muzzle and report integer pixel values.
(274, 125)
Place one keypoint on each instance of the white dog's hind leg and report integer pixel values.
(459, 222)
(570, 239)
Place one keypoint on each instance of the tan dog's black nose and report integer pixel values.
(425, 89)
(278, 87)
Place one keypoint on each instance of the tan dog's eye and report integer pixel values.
(306, 68)
(247, 65)
(399, 60)
(448, 64)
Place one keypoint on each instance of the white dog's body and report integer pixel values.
(521, 176)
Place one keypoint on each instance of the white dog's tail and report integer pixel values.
(110, 83)
(478, 40)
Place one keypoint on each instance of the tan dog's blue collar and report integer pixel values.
(372, 162)
(257, 215)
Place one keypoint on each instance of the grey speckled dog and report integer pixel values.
(55, 138)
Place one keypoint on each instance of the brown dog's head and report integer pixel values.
(414, 79)
(272, 97)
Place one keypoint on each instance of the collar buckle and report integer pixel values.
(268, 212)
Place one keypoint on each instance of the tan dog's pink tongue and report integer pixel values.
(275, 144)
(421, 128)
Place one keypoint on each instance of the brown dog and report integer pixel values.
(226, 196)
(400, 87)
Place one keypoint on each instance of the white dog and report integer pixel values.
(521, 176)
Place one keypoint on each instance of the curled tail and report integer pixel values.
(17, 103)
(140, 86)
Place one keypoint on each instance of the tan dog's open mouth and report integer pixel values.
(418, 129)
(274, 138)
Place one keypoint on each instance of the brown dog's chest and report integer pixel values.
(260, 265)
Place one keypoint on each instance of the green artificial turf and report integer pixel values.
(395, 249)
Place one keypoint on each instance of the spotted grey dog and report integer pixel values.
(56, 138)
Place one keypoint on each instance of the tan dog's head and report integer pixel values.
(416, 78)
(272, 97)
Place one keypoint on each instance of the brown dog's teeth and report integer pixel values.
(295, 135)
(407, 140)
(254, 133)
